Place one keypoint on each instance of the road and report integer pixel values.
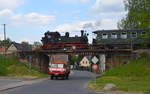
(75, 85)
(7, 80)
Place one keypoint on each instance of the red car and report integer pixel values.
(59, 68)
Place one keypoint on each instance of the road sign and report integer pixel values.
(94, 66)
(85, 62)
(94, 59)
(73, 47)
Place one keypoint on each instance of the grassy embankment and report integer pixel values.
(11, 66)
(134, 77)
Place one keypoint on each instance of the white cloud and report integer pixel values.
(77, 26)
(5, 13)
(30, 40)
(84, 1)
(109, 11)
(109, 23)
(33, 18)
(66, 28)
(26, 19)
(105, 23)
(76, 12)
(108, 6)
(110, 20)
(10, 3)
(75, 1)
(1, 36)
(39, 18)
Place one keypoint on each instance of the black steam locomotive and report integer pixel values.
(54, 40)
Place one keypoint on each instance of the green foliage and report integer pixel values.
(146, 36)
(134, 76)
(5, 42)
(25, 43)
(37, 43)
(11, 66)
(75, 59)
(145, 40)
(3, 65)
(135, 68)
(138, 15)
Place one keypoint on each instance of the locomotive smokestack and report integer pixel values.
(82, 33)
(67, 34)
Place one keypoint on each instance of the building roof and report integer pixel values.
(22, 47)
(119, 30)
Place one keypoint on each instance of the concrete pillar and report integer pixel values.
(102, 62)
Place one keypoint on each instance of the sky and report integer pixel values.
(28, 20)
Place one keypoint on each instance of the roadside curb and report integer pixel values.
(117, 92)
(23, 83)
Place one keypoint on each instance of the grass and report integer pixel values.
(134, 76)
(11, 66)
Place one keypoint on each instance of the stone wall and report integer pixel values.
(116, 60)
(38, 60)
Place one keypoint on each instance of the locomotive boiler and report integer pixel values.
(54, 41)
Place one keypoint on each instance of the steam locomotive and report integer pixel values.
(54, 41)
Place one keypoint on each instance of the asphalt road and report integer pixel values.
(6, 81)
(75, 85)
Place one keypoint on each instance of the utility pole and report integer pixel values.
(4, 37)
(4, 31)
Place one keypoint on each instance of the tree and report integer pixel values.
(25, 43)
(6, 42)
(138, 15)
(37, 45)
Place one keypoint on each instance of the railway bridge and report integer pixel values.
(107, 58)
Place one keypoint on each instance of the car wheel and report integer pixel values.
(52, 77)
(67, 76)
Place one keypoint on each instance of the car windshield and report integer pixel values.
(60, 65)
(57, 65)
